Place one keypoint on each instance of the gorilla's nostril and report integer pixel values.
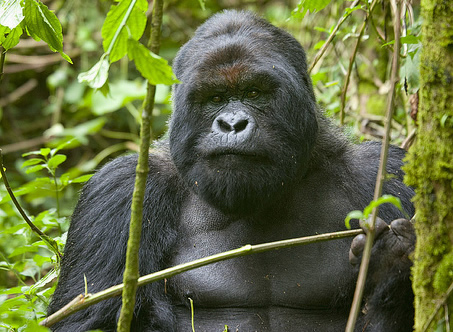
(240, 125)
(224, 126)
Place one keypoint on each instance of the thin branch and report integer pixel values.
(2, 61)
(131, 272)
(357, 300)
(331, 37)
(351, 63)
(438, 306)
(47, 239)
(81, 302)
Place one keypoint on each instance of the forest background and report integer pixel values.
(56, 130)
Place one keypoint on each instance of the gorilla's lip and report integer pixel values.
(243, 154)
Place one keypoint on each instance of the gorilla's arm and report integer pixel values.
(97, 240)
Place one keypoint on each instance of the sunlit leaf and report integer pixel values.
(35, 169)
(125, 20)
(97, 75)
(32, 161)
(11, 13)
(81, 179)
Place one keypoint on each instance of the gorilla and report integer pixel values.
(249, 159)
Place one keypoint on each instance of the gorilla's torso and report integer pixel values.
(283, 290)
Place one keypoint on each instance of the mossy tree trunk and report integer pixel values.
(430, 170)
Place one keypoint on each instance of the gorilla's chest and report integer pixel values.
(305, 277)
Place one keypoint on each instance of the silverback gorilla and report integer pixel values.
(249, 159)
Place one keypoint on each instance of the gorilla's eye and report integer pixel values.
(216, 99)
(253, 93)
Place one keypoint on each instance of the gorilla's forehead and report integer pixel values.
(234, 64)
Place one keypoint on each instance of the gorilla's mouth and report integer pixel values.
(233, 154)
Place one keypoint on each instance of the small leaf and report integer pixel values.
(55, 161)
(97, 75)
(356, 214)
(11, 13)
(154, 68)
(81, 179)
(381, 200)
(35, 169)
(45, 152)
(31, 162)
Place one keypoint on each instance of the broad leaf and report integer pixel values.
(154, 68)
(43, 24)
(124, 21)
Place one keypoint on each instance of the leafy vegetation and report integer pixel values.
(65, 114)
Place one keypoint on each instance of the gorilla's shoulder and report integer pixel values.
(370, 153)
(116, 179)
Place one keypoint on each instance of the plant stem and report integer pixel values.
(131, 272)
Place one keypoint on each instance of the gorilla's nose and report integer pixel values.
(237, 126)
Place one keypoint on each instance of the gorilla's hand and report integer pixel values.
(393, 243)
(388, 285)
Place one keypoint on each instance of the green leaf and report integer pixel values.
(381, 200)
(22, 250)
(35, 169)
(97, 75)
(81, 179)
(13, 38)
(202, 4)
(11, 13)
(154, 68)
(55, 161)
(124, 21)
(313, 5)
(356, 214)
(45, 151)
(43, 24)
(308, 5)
(31, 162)
(405, 40)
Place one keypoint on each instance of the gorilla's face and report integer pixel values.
(244, 115)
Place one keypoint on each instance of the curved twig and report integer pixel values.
(83, 301)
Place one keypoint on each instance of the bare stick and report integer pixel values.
(331, 37)
(351, 63)
(90, 299)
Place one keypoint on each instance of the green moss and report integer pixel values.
(444, 274)
(430, 164)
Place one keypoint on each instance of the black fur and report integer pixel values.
(249, 159)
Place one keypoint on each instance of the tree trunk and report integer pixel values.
(430, 171)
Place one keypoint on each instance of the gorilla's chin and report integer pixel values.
(231, 185)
